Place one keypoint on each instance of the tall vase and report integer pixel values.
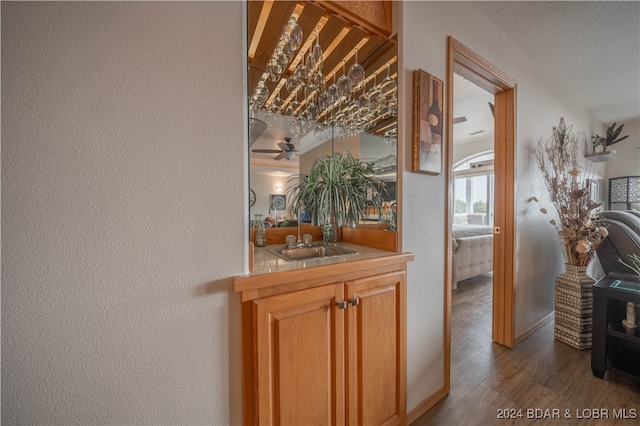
(574, 307)
(335, 235)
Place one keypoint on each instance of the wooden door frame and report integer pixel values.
(467, 63)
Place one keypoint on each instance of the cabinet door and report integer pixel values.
(376, 350)
(300, 357)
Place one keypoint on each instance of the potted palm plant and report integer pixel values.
(335, 192)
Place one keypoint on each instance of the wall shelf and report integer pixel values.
(598, 157)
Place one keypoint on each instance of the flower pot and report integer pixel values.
(335, 233)
(574, 307)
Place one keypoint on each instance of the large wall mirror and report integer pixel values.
(318, 83)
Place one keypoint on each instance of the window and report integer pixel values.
(473, 191)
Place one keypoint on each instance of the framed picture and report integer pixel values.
(428, 124)
(278, 200)
(594, 192)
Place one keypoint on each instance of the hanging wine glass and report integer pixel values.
(353, 115)
(356, 74)
(313, 111)
(323, 101)
(316, 54)
(345, 85)
(318, 82)
(295, 105)
(295, 129)
(392, 106)
(310, 63)
(334, 92)
(388, 85)
(273, 70)
(374, 93)
(364, 104)
(278, 102)
(289, 112)
(301, 73)
(282, 57)
(294, 33)
(292, 84)
(261, 95)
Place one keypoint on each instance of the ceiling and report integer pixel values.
(590, 49)
(471, 103)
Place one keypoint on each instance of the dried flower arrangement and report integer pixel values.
(558, 160)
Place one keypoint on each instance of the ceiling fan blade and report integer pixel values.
(457, 120)
(278, 157)
(267, 151)
(285, 146)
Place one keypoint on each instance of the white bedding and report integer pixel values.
(472, 251)
(466, 230)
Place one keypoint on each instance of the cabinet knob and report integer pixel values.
(342, 304)
(355, 301)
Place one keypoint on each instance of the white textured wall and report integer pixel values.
(463, 151)
(264, 184)
(423, 44)
(122, 158)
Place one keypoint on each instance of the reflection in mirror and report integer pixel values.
(318, 85)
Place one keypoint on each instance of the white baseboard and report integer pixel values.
(535, 327)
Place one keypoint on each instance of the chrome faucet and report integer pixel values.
(276, 209)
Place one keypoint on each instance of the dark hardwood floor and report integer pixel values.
(541, 381)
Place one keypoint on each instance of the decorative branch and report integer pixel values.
(558, 160)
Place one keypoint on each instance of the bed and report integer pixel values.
(472, 248)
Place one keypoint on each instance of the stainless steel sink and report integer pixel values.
(310, 252)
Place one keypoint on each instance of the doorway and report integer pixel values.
(467, 64)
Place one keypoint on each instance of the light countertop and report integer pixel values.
(271, 271)
(266, 262)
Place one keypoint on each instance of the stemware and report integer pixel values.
(295, 105)
(273, 70)
(316, 54)
(318, 82)
(392, 106)
(313, 112)
(292, 34)
(334, 93)
(323, 101)
(374, 93)
(295, 128)
(388, 85)
(364, 104)
(292, 84)
(278, 102)
(345, 84)
(282, 56)
(301, 73)
(260, 95)
(356, 74)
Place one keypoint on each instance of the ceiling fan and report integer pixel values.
(287, 150)
(462, 119)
